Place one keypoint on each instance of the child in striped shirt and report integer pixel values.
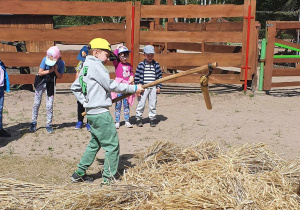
(147, 71)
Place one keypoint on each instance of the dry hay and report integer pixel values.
(170, 177)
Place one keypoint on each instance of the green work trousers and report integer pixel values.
(103, 134)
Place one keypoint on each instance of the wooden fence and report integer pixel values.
(270, 71)
(206, 39)
(113, 32)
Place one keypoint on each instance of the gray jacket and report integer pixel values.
(93, 86)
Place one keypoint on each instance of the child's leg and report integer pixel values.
(126, 110)
(80, 109)
(93, 147)
(118, 108)
(152, 103)
(37, 101)
(110, 143)
(141, 104)
(49, 107)
(106, 138)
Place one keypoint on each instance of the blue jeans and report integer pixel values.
(118, 109)
(1, 104)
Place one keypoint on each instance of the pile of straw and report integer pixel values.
(170, 177)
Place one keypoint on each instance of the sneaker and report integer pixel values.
(152, 123)
(139, 123)
(106, 181)
(4, 133)
(32, 127)
(117, 125)
(78, 125)
(88, 127)
(75, 178)
(128, 125)
(49, 129)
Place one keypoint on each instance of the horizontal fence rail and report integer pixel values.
(81, 8)
(191, 11)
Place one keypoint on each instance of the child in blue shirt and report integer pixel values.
(4, 86)
(51, 67)
(80, 109)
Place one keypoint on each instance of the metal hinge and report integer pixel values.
(269, 25)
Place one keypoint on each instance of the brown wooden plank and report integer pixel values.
(217, 48)
(170, 2)
(252, 40)
(175, 36)
(215, 26)
(191, 11)
(12, 34)
(225, 79)
(213, 79)
(29, 78)
(70, 78)
(286, 60)
(96, 27)
(215, 70)
(128, 27)
(254, 69)
(285, 84)
(224, 26)
(253, 43)
(136, 41)
(84, 8)
(26, 21)
(21, 79)
(287, 24)
(222, 48)
(286, 72)
(269, 57)
(15, 59)
(244, 41)
(37, 22)
(280, 41)
(156, 20)
(197, 59)
(180, 26)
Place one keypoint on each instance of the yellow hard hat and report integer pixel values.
(99, 43)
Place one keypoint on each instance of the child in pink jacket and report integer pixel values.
(124, 74)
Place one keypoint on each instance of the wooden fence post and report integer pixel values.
(249, 57)
(128, 25)
(269, 55)
(136, 42)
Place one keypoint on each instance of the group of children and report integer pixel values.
(94, 90)
(52, 67)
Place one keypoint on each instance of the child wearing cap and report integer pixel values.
(147, 71)
(124, 74)
(51, 67)
(92, 88)
(80, 109)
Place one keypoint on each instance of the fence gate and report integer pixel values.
(284, 63)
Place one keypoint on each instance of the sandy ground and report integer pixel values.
(236, 118)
